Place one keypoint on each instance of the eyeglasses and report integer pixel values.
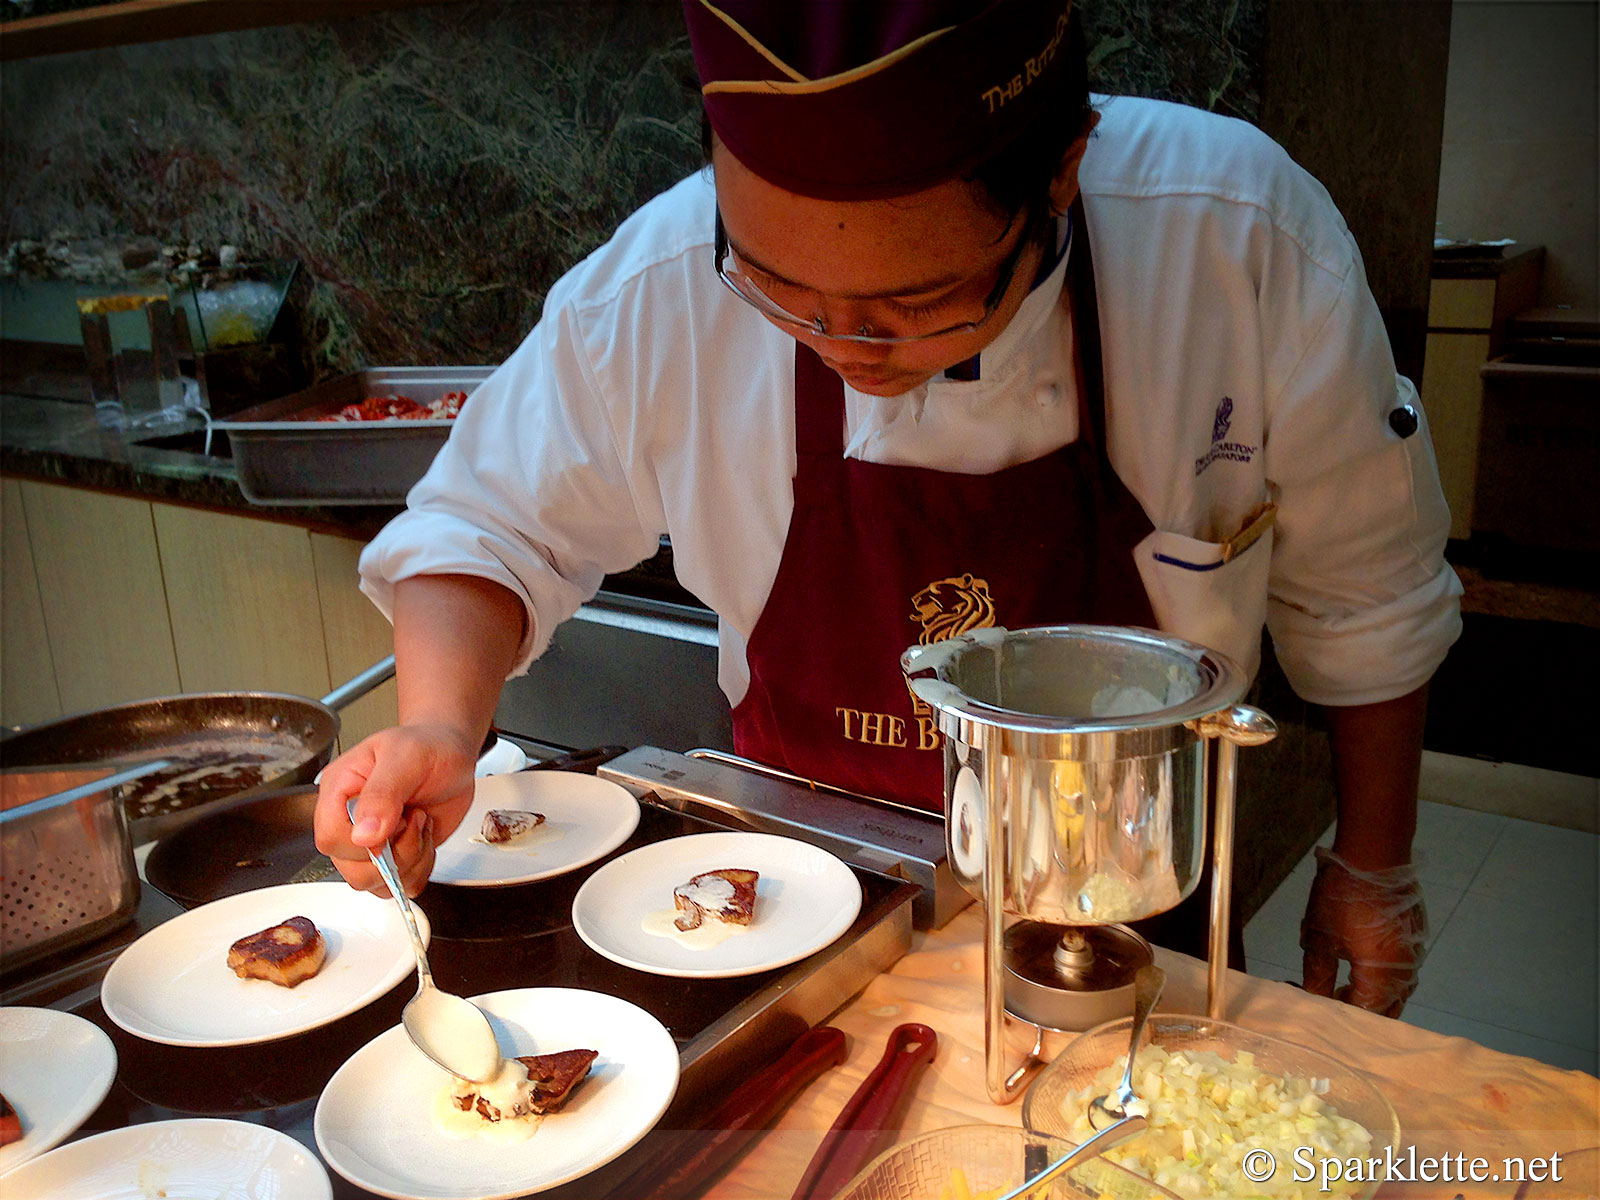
(747, 290)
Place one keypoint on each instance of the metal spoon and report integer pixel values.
(1147, 985)
(1110, 1136)
(451, 1031)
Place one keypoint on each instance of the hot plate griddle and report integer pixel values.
(487, 940)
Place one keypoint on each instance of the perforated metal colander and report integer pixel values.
(66, 876)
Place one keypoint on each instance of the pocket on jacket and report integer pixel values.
(1197, 596)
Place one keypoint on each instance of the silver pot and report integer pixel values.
(1076, 778)
(1082, 748)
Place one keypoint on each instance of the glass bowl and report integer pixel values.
(1580, 1179)
(1348, 1091)
(979, 1162)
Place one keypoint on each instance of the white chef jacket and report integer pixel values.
(1245, 361)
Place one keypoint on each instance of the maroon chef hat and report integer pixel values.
(857, 99)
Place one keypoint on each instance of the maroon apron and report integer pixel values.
(882, 557)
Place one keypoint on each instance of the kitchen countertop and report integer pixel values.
(59, 441)
(1488, 262)
(1452, 1096)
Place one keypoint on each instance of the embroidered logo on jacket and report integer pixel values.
(1220, 446)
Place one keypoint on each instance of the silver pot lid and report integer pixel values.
(1077, 679)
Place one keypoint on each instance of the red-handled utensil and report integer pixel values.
(871, 1116)
(684, 1163)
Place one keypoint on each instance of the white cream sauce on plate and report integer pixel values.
(527, 842)
(710, 932)
(458, 1125)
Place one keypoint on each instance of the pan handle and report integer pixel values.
(57, 799)
(374, 676)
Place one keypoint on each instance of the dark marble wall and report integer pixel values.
(434, 170)
(437, 169)
(1355, 92)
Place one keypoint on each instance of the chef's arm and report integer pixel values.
(1377, 757)
(1366, 905)
(456, 638)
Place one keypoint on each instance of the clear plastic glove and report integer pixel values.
(1374, 920)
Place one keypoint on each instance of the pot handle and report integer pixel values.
(374, 676)
(1242, 724)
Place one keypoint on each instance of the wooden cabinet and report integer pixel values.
(242, 596)
(1469, 303)
(100, 588)
(108, 598)
(27, 675)
(354, 634)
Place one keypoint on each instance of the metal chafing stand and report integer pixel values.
(1076, 786)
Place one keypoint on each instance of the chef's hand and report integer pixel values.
(415, 785)
(1375, 921)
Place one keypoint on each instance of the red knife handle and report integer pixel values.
(870, 1116)
(680, 1171)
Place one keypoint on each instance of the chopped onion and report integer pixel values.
(1206, 1113)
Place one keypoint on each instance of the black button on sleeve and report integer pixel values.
(1403, 420)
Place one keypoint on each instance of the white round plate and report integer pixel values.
(805, 899)
(55, 1068)
(225, 1160)
(173, 985)
(501, 758)
(585, 818)
(374, 1122)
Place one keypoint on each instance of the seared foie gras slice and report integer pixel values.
(530, 1086)
(500, 825)
(10, 1123)
(554, 1076)
(727, 895)
(286, 954)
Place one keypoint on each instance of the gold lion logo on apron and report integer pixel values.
(951, 606)
(943, 609)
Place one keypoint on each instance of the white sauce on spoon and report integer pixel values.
(453, 1031)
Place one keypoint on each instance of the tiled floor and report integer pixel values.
(1513, 911)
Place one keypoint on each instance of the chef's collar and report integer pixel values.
(1047, 281)
(873, 98)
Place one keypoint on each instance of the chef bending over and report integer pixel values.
(939, 341)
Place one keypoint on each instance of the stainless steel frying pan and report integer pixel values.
(222, 744)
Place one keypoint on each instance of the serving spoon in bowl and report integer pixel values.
(1147, 985)
(451, 1031)
(1120, 1125)
(1109, 1137)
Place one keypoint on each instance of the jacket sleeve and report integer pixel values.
(534, 489)
(1362, 606)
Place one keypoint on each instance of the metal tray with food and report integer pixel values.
(363, 438)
